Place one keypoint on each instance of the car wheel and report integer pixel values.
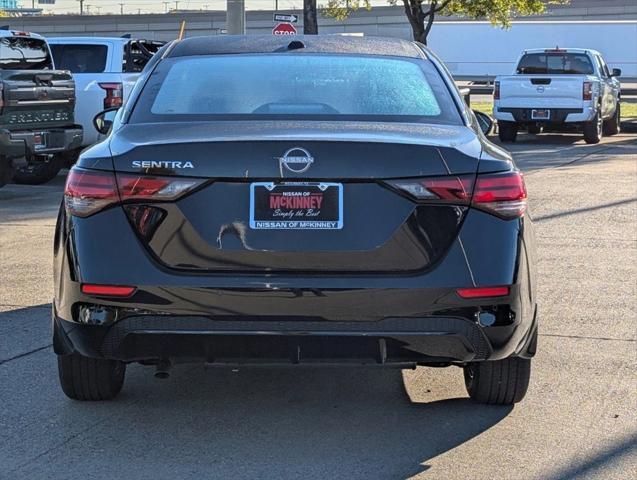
(39, 172)
(6, 170)
(501, 382)
(593, 129)
(507, 131)
(612, 125)
(84, 378)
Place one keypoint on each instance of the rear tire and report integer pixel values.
(593, 129)
(84, 378)
(612, 125)
(6, 170)
(507, 131)
(39, 172)
(501, 382)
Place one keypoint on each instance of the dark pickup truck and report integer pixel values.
(36, 110)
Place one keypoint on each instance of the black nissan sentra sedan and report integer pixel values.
(319, 200)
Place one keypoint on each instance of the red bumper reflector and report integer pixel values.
(107, 290)
(483, 292)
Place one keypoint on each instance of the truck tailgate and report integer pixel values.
(542, 91)
(37, 98)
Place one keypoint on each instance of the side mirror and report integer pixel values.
(617, 72)
(103, 121)
(485, 122)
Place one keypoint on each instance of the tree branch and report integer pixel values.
(442, 5)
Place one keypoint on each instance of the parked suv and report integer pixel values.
(557, 87)
(105, 70)
(36, 110)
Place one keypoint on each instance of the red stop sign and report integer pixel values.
(284, 29)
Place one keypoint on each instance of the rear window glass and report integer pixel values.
(80, 58)
(555, 63)
(23, 53)
(296, 86)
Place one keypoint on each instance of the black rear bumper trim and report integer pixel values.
(390, 341)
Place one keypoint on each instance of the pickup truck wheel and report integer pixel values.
(612, 125)
(593, 129)
(84, 378)
(507, 131)
(39, 171)
(501, 382)
(6, 171)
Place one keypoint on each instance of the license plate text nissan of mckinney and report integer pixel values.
(319, 216)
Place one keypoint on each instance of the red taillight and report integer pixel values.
(587, 91)
(114, 94)
(1, 95)
(107, 290)
(88, 191)
(496, 90)
(451, 189)
(503, 194)
(483, 292)
(142, 187)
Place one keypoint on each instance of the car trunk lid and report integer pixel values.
(215, 228)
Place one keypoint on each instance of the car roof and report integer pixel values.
(19, 33)
(87, 39)
(567, 50)
(238, 44)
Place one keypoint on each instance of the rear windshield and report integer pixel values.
(80, 58)
(555, 63)
(23, 53)
(296, 86)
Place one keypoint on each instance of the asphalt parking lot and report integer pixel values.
(579, 419)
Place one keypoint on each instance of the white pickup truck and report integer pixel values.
(556, 87)
(105, 70)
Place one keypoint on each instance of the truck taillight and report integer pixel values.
(496, 90)
(1, 95)
(587, 91)
(114, 94)
(501, 194)
(87, 191)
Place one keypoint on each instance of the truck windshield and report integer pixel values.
(311, 86)
(24, 53)
(555, 63)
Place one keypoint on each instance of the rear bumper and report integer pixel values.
(393, 341)
(558, 115)
(16, 144)
(255, 318)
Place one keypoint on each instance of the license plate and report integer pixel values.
(296, 206)
(540, 114)
(39, 140)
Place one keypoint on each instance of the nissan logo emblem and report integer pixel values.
(296, 159)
